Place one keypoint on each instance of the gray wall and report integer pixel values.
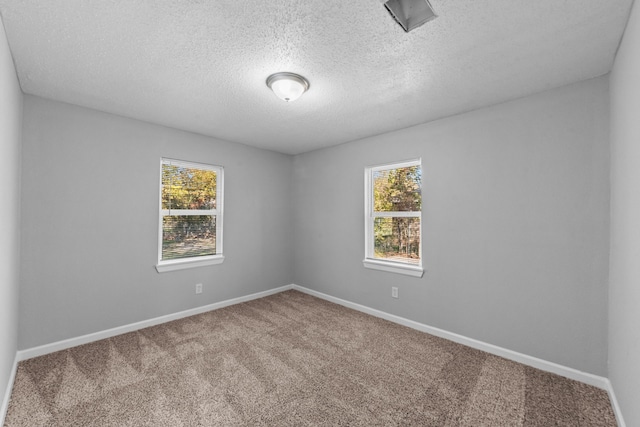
(10, 128)
(624, 291)
(90, 218)
(515, 224)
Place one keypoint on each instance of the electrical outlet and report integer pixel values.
(198, 288)
(394, 292)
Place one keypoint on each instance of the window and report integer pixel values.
(190, 223)
(393, 209)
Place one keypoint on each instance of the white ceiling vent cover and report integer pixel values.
(410, 14)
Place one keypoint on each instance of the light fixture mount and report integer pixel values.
(287, 86)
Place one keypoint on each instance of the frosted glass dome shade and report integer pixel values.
(287, 86)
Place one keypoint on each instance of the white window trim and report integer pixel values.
(193, 262)
(369, 216)
(185, 263)
(393, 267)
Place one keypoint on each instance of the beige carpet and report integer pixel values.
(292, 360)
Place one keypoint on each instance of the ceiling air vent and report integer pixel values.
(410, 14)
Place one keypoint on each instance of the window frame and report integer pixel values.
(369, 261)
(197, 261)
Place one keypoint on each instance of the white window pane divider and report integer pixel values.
(187, 212)
(404, 214)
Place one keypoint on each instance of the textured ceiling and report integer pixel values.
(201, 65)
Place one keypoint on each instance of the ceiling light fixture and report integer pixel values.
(287, 86)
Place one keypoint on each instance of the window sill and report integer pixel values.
(189, 263)
(394, 267)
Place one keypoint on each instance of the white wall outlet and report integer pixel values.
(198, 288)
(394, 292)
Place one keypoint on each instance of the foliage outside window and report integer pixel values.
(190, 215)
(393, 213)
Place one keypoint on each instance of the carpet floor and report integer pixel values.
(291, 359)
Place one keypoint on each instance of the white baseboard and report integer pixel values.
(615, 405)
(574, 374)
(84, 339)
(7, 394)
